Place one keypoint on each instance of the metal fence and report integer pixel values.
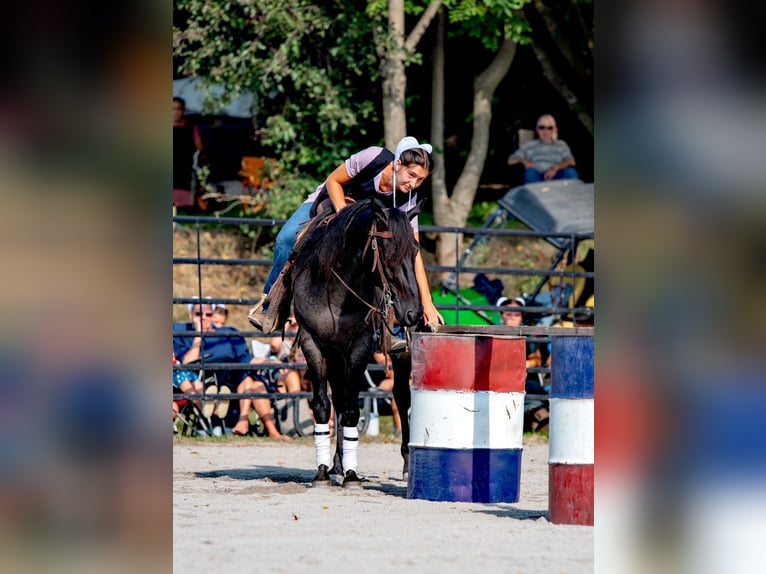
(455, 284)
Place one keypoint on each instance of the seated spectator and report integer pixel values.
(384, 381)
(538, 354)
(220, 315)
(230, 349)
(186, 382)
(283, 350)
(545, 157)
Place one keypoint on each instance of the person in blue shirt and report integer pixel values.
(229, 349)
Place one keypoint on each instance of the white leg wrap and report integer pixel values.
(322, 444)
(350, 448)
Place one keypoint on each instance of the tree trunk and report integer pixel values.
(394, 77)
(393, 67)
(454, 210)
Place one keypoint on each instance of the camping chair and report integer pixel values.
(257, 171)
(190, 420)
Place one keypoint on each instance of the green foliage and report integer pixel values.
(489, 21)
(306, 64)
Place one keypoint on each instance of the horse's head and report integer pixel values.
(393, 238)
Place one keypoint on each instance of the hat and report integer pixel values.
(190, 306)
(409, 142)
(502, 301)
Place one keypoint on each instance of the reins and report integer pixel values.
(386, 314)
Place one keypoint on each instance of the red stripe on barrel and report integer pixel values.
(570, 494)
(469, 363)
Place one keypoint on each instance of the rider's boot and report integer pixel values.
(258, 314)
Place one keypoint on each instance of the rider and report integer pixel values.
(374, 171)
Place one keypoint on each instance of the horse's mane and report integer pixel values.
(337, 241)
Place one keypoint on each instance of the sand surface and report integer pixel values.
(246, 505)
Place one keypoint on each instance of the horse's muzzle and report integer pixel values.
(412, 317)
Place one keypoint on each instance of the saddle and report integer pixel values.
(280, 297)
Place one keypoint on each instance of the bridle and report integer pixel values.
(376, 315)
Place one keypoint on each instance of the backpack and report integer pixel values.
(360, 186)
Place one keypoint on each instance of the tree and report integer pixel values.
(501, 28)
(394, 51)
(564, 47)
(308, 66)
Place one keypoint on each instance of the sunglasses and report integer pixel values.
(201, 314)
(546, 127)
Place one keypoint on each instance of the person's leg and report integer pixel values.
(264, 410)
(531, 175)
(566, 173)
(192, 386)
(243, 422)
(291, 381)
(285, 242)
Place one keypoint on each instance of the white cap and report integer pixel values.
(518, 300)
(409, 142)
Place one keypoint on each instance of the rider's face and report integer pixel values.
(410, 177)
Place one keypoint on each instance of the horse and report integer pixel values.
(351, 273)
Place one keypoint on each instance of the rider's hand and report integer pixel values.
(431, 315)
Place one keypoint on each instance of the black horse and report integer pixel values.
(351, 274)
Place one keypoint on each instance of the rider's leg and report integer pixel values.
(285, 243)
(283, 248)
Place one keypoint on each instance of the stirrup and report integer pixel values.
(397, 346)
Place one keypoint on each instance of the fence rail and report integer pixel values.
(532, 333)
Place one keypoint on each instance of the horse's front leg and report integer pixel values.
(402, 365)
(346, 401)
(321, 408)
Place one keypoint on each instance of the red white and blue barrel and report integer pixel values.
(570, 456)
(467, 417)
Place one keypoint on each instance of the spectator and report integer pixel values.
(384, 381)
(229, 349)
(284, 350)
(537, 354)
(186, 142)
(545, 157)
(186, 382)
(220, 315)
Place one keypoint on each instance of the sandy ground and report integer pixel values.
(246, 505)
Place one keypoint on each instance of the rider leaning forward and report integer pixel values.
(372, 172)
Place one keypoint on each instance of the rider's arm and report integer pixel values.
(335, 182)
(431, 314)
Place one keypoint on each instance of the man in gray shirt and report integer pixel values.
(545, 157)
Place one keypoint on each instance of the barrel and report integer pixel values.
(467, 417)
(570, 455)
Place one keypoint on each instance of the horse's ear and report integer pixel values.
(415, 211)
(377, 205)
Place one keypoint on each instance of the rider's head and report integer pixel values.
(412, 164)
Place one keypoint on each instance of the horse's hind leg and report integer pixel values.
(402, 365)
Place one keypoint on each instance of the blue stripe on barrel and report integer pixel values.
(572, 366)
(467, 417)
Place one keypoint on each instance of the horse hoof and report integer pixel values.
(351, 480)
(322, 477)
